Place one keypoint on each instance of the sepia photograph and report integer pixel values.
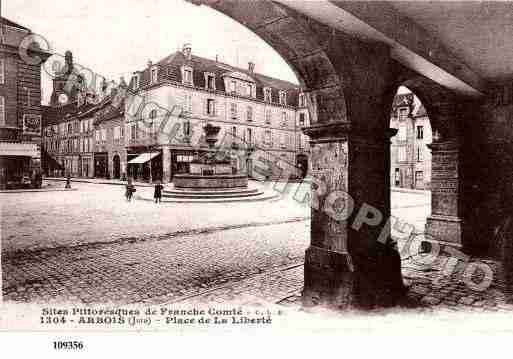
(285, 166)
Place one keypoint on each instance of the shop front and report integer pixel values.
(86, 166)
(20, 165)
(101, 165)
(145, 166)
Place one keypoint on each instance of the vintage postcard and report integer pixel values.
(286, 167)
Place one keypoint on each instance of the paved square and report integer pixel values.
(92, 246)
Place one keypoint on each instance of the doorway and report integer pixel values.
(116, 163)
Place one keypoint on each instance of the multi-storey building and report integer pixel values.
(72, 139)
(20, 104)
(252, 110)
(110, 155)
(68, 139)
(157, 129)
(410, 156)
(302, 141)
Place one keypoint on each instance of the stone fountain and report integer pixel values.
(212, 178)
(210, 172)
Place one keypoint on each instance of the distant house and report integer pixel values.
(410, 157)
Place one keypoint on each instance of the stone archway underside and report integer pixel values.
(349, 85)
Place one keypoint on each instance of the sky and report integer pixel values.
(117, 37)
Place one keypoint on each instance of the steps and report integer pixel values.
(240, 194)
(202, 194)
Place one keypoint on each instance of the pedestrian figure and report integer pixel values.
(68, 181)
(157, 194)
(130, 189)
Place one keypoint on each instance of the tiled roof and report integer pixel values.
(403, 100)
(106, 112)
(54, 115)
(170, 69)
(8, 22)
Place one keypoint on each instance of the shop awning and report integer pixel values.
(144, 157)
(27, 149)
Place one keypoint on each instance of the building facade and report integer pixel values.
(20, 105)
(410, 157)
(68, 140)
(253, 111)
(110, 155)
(152, 128)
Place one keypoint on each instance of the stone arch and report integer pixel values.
(303, 44)
(451, 220)
(345, 81)
(442, 105)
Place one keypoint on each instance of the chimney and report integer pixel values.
(251, 67)
(112, 88)
(187, 51)
(122, 82)
(68, 59)
(217, 58)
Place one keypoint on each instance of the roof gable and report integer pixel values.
(170, 69)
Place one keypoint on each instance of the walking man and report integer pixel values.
(157, 194)
(130, 189)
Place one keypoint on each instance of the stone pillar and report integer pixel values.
(350, 262)
(166, 165)
(445, 222)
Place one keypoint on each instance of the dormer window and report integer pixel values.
(301, 101)
(248, 90)
(267, 94)
(283, 98)
(135, 81)
(187, 75)
(154, 74)
(239, 84)
(210, 81)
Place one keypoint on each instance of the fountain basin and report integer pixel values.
(213, 182)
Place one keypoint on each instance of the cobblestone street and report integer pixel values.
(90, 245)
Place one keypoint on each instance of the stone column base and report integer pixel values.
(342, 281)
(445, 230)
(329, 279)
